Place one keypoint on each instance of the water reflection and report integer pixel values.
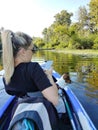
(88, 72)
(84, 73)
(86, 69)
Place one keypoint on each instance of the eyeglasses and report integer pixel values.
(33, 50)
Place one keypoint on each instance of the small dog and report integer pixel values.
(66, 77)
(64, 80)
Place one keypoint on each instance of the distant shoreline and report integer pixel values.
(77, 52)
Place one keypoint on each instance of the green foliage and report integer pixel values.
(83, 16)
(64, 34)
(0, 42)
(38, 42)
(94, 14)
(63, 18)
(95, 46)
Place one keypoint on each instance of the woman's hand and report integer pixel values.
(48, 72)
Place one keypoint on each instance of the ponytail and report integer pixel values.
(8, 58)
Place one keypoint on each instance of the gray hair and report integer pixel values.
(11, 43)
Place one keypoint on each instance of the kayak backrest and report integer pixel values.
(35, 112)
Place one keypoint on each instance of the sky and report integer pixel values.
(32, 16)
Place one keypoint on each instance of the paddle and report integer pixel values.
(68, 109)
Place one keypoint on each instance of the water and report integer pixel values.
(84, 74)
(83, 70)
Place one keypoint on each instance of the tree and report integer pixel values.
(57, 33)
(83, 17)
(63, 34)
(93, 6)
(0, 42)
(38, 42)
(63, 18)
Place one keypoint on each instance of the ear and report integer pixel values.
(22, 51)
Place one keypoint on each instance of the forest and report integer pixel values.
(64, 34)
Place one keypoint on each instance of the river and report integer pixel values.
(83, 70)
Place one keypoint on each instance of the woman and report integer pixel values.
(21, 75)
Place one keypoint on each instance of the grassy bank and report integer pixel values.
(78, 52)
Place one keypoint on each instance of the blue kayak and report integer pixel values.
(77, 117)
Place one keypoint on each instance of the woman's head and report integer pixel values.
(16, 41)
(13, 45)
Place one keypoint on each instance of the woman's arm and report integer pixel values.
(51, 93)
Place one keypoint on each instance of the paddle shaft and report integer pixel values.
(68, 109)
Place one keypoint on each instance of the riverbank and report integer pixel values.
(78, 52)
